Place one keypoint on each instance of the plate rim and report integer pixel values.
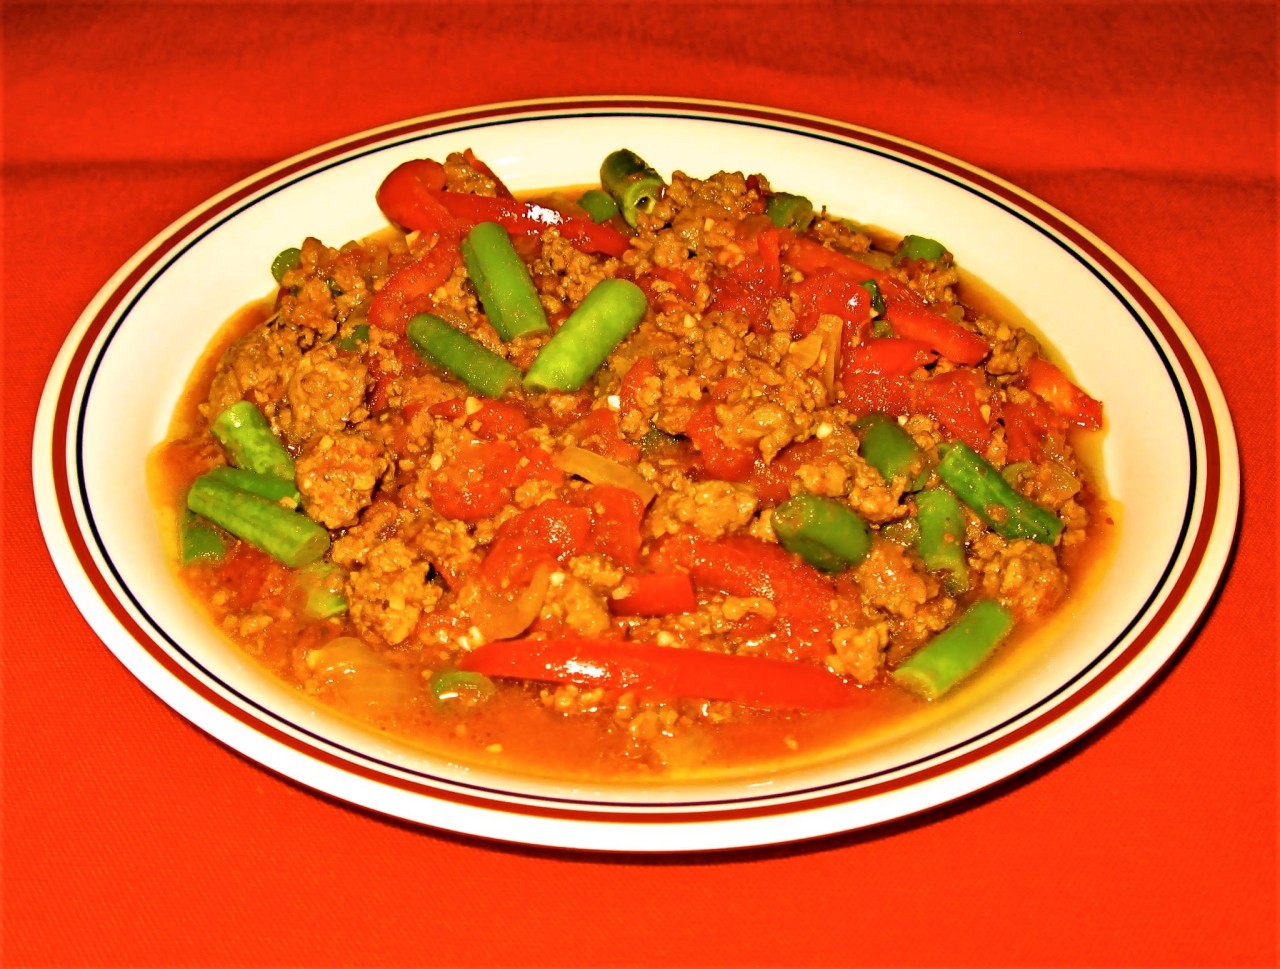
(1218, 511)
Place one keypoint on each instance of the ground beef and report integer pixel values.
(859, 651)
(257, 367)
(711, 508)
(1022, 575)
(326, 391)
(330, 286)
(390, 592)
(336, 474)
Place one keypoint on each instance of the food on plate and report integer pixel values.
(660, 475)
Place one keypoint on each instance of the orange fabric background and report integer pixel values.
(132, 839)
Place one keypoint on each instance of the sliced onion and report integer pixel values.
(498, 617)
(831, 329)
(804, 353)
(600, 470)
(348, 671)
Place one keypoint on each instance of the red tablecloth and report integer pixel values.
(131, 838)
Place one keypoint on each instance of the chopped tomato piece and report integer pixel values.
(772, 481)
(1026, 425)
(615, 521)
(384, 372)
(1073, 404)
(494, 419)
(748, 287)
(719, 459)
(481, 478)
(599, 432)
(678, 285)
(475, 482)
(950, 398)
(891, 357)
(549, 532)
(830, 292)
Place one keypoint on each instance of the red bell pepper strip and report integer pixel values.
(500, 188)
(530, 218)
(413, 195)
(812, 257)
(1073, 404)
(906, 312)
(910, 317)
(890, 356)
(408, 291)
(654, 594)
(408, 197)
(669, 671)
(744, 566)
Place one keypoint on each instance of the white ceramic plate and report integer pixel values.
(125, 362)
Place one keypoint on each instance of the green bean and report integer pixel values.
(940, 537)
(955, 652)
(287, 536)
(633, 184)
(321, 586)
(877, 297)
(892, 451)
(981, 487)
(502, 279)
(789, 211)
(1013, 473)
(824, 532)
(919, 247)
(247, 436)
(656, 440)
(612, 309)
(461, 687)
(359, 334)
(599, 205)
(199, 541)
(282, 263)
(879, 325)
(904, 532)
(455, 352)
(266, 485)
